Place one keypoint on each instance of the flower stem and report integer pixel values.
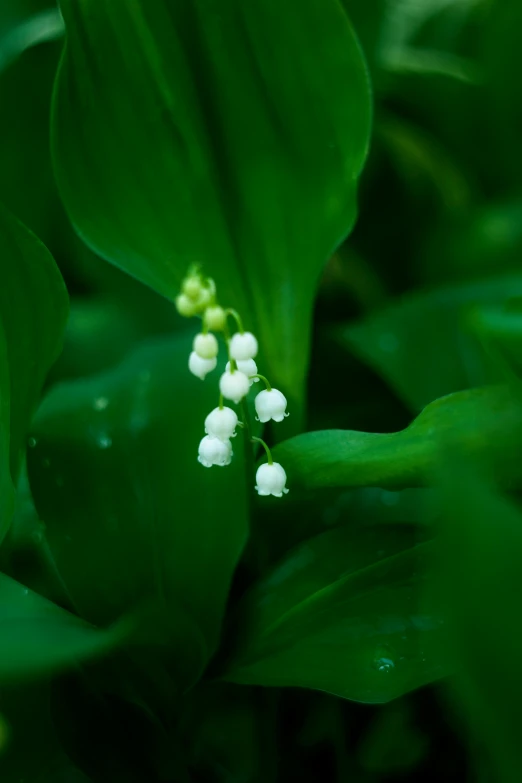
(265, 381)
(226, 334)
(237, 318)
(221, 402)
(268, 452)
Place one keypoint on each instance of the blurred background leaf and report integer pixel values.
(479, 578)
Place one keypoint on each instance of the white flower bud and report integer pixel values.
(215, 318)
(243, 346)
(206, 345)
(221, 423)
(271, 404)
(271, 480)
(204, 299)
(201, 367)
(191, 286)
(249, 367)
(234, 385)
(213, 451)
(185, 306)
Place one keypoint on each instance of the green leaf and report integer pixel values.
(344, 458)
(37, 637)
(33, 311)
(480, 574)
(47, 25)
(341, 613)
(421, 346)
(230, 136)
(131, 515)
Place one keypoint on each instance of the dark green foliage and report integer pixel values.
(348, 172)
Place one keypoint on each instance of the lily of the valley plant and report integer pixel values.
(198, 297)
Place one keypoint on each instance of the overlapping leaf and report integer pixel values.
(33, 311)
(343, 458)
(227, 133)
(342, 613)
(131, 516)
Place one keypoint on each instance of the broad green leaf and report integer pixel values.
(421, 345)
(223, 134)
(480, 574)
(102, 330)
(341, 613)
(131, 515)
(33, 311)
(343, 458)
(37, 637)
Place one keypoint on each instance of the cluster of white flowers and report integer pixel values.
(198, 297)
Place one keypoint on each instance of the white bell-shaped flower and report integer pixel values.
(271, 404)
(271, 480)
(234, 385)
(201, 367)
(221, 423)
(249, 367)
(243, 346)
(206, 345)
(213, 451)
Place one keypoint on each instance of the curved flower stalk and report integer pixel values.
(198, 297)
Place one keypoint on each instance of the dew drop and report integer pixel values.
(104, 441)
(26, 591)
(383, 660)
(59, 481)
(100, 403)
(31, 442)
(384, 664)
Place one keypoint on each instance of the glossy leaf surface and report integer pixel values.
(130, 513)
(37, 637)
(221, 133)
(33, 311)
(343, 458)
(341, 613)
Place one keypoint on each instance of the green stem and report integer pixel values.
(265, 381)
(226, 334)
(268, 452)
(221, 402)
(237, 318)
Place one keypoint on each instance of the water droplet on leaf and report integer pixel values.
(104, 441)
